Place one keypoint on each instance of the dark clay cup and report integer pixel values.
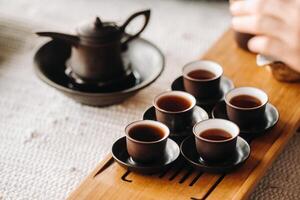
(177, 120)
(202, 88)
(216, 150)
(146, 151)
(242, 39)
(246, 117)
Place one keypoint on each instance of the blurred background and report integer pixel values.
(173, 24)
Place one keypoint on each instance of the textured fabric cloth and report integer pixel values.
(48, 142)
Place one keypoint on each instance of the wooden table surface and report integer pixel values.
(110, 181)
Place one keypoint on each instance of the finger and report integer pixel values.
(270, 26)
(274, 8)
(280, 9)
(267, 26)
(270, 47)
(243, 7)
(259, 25)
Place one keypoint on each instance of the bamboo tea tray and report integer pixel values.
(110, 181)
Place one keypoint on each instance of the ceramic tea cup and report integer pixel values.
(216, 139)
(175, 109)
(242, 39)
(146, 140)
(246, 106)
(202, 79)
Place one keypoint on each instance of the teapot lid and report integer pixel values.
(98, 30)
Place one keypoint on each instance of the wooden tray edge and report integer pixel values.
(272, 154)
(99, 168)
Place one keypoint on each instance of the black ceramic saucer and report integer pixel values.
(130, 79)
(226, 85)
(189, 152)
(198, 115)
(271, 118)
(145, 59)
(120, 154)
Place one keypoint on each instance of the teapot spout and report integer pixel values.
(71, 39)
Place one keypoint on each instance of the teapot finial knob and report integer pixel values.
(98, 22)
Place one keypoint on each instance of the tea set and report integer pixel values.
(203, 119)
(216, 145)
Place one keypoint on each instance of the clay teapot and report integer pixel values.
(97, 48)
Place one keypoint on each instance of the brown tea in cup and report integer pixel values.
(173, 103)
(246, 106)
(215, 139)
(202, 79)
(201, 74)
(215, 134)
(245, 101)
(146, 140)
(175, 109)
(146, 133)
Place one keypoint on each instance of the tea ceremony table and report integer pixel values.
(54, 148)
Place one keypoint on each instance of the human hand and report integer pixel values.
(276, 24)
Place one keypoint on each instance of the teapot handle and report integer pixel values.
(146, 14)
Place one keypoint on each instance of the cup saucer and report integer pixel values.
(189, 152)
(144, 59)
(198, 115)
(130, 79)
(121, 156)
(226, 85)
(271, 118)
